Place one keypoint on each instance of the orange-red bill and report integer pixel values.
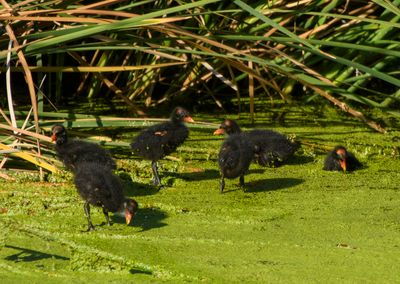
(188, 119)
(343, 164)
(128, 217)
(219, 131)
(53, 137)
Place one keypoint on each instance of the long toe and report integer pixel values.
(161, 186)
(90, 228)
(156, 182)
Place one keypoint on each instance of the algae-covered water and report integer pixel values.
(293, 224)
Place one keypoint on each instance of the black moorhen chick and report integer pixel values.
(98, 186)
(339, 159)
(234, 158)
(73, 152)
(270, 148)
(159, 140)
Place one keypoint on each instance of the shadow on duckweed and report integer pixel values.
(272, 184)
(208, 174)
(145, 218)
(139, 189)
(149, 218)
(299, 160)
(140, 271)
(196, 176)
(28, 255)
(265, 185)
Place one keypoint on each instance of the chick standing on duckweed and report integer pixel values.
(270, 148)
(92, 168)
(234, 158)
(98, 186)
(159, 140)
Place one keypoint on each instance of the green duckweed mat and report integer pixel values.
(293, 224)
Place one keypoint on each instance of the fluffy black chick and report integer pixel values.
(98, 186)
(339, 159)
(234, 158)
(74, 152)
(159, 140)
(270, 148)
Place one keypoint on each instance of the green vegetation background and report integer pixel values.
(296, 223)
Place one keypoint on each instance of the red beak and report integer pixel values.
(188, 119)
(53, 137)
(128, 217)
(343, 164)
(219, 131)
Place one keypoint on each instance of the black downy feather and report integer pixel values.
(98, 186)
(159, 140)
(74, 152)
(333, 158)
